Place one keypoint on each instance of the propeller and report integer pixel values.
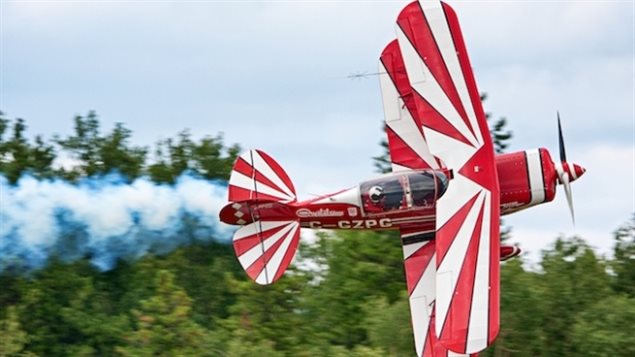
(566, 172)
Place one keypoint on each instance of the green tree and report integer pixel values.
(14, 339)
(43, 298)
(18, 156)
(521, 318)
(623, 263)
(100, 155)
(164, 326)
(208, 158)
(384, 319)
(606, 328)
(98, 325)
(267, 316)
(573, 279)
(358, 267)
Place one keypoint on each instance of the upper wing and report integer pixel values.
(420, 266)
(406, 143)
(467, 217)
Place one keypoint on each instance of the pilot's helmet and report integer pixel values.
(376, 193)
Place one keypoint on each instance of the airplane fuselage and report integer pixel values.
(405, 200)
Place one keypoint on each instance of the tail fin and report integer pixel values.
(256, 176)
(259, 196)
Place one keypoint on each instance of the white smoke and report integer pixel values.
(104, 219)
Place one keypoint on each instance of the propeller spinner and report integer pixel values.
(567, 173)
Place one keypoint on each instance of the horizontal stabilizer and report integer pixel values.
(266, 248)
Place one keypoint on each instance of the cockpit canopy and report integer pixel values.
(403, 191)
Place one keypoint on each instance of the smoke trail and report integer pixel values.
(104, 219)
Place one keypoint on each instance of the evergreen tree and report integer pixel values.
(100, 155)
(18, 156)
(164, 326)
(208, 158)
(358, 267)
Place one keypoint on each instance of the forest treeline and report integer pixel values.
(349, 298)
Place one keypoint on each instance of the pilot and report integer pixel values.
(375, 194)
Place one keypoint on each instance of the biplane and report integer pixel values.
(445, 194)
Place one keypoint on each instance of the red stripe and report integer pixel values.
(416, 264)
(288, 255)
(241, 246)
(416, 27)
(428, 346)
(402, 154)
(237, 194)
(393, 61)
(466, 68)
(454, 331)
(436, 121)
(256, 267)
(244, 168)
(277, 170)
(447, 233)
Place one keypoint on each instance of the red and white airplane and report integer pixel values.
(445, 195)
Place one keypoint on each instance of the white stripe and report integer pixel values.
(261, 165)
(351, 196)
(449, 269)
(479, 311)
(398, 168)
(572, 172)
(424, 83)
(250, 256)
(536, 181)
(441, 32)
(460, 191)
(410, 249)
(239, 180)
(454, 153)
(271, 268)
(421, 305)
(406, 127)
(390, 96)
(253, 228)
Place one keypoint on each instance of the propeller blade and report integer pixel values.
(564, 179)
(563, 154)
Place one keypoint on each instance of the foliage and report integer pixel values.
(13, 338)
(348, 299)
(623, 264)
(174, 157)
(18, 156)
(163, 324)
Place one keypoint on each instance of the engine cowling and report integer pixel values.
(526, 178)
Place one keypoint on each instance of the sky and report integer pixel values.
(274, 75)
